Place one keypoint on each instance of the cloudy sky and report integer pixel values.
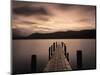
(32, 17)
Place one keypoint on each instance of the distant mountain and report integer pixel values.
(83, 34)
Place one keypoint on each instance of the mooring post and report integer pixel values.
(33, 63)
(49, 53)
(79, 59)
(68, 56)
(54, 46)
(65, 50)
(52, 49)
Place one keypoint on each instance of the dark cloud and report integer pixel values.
(27, 22)
(84, 20)
(43, 28)
(51, 17)
(43, 18)
(30, 11)
(74, 6)
(63, 6)
(89, 8)
(21, 32)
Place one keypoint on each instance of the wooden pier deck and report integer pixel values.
(58, 61)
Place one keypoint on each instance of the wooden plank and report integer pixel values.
(58, 61)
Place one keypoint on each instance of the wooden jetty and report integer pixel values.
(58, 59)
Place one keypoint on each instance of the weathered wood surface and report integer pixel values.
(58, 61)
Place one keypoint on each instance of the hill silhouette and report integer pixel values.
(83, 34)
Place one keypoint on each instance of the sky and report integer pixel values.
(35, 17)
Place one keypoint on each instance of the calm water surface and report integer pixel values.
(23, 49)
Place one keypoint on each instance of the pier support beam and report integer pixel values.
(33, 63)
(68, 56)
(51, 50)
(54, 46)
(65, 51)
(49, 53)
(79, 59)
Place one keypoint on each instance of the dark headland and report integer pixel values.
(83, 34)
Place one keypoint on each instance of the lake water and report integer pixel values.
(24, 49)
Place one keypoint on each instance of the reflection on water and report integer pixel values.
(23, 49)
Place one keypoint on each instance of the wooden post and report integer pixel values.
(33, 63)
(53, 46)
(65, 50)
(49, 53)
(68, 56)
(79, 59)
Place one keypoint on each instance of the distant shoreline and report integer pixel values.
(84, 34)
